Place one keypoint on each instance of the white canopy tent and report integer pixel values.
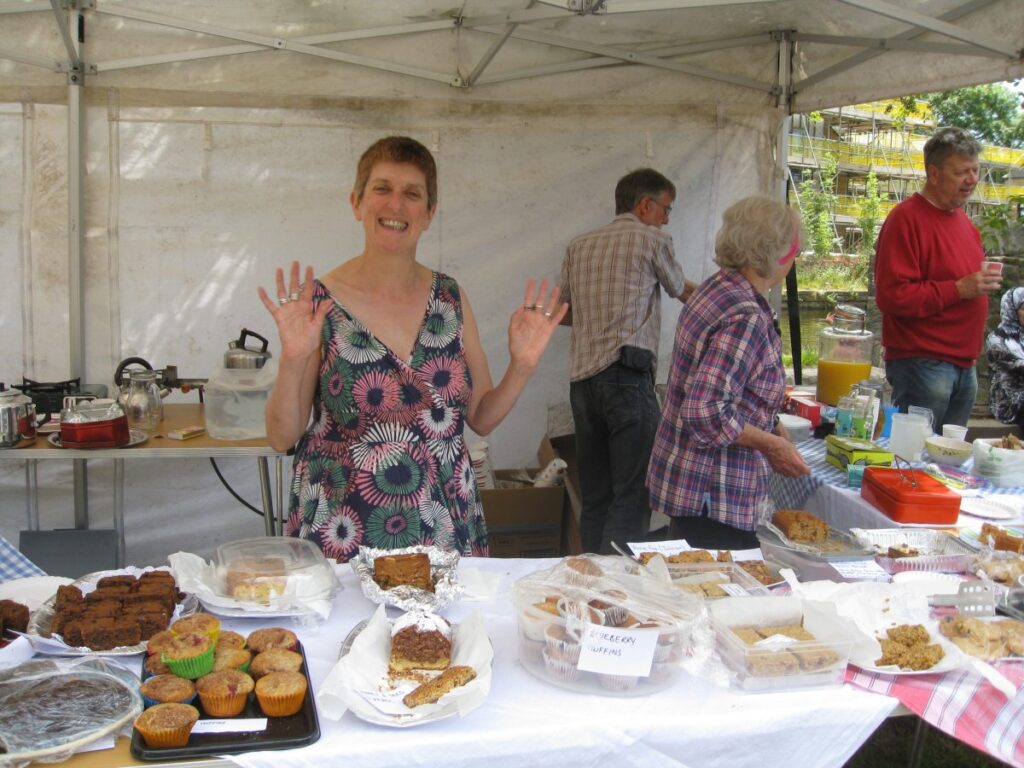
(160, 160)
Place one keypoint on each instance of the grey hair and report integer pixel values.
(949, 141)
(756, 232)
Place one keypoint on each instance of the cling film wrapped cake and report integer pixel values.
(605, 625)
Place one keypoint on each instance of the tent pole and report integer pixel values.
(785, 101)
(76, 239)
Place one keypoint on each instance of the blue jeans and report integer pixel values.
(616, 416)
(947, 389)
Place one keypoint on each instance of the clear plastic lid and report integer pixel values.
(271, 569)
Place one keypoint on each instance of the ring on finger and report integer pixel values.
(546, 313)
(282, 300)
(530, 307)
(293, 296)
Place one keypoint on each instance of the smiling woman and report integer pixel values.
(382, 368)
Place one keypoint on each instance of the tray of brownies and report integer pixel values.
(112, 613)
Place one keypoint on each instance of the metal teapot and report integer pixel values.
(18, 420)
(241, 356)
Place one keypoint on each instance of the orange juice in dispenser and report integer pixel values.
(844, 353)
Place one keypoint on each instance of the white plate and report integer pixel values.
(374, 647)
(987, 508)
(32, 591)
(135, 437)
(252, 611)
(111, 704)
(864, 656)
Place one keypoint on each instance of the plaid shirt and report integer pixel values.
(611, 277)
(726, 372)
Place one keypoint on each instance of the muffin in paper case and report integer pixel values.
(443, 567)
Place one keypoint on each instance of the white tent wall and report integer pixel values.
(191, 208)
(205, 172)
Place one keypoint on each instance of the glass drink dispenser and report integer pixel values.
(844, 353)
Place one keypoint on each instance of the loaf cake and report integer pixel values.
(798, 525)
(420, 641)
(412, 569)
(432, 690)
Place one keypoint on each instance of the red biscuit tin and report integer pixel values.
(906, 496)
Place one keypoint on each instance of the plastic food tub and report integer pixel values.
(611, 630)
(762, 659)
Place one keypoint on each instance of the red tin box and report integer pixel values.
(108, 433)
(893, 492)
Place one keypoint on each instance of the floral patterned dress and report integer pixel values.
(384, 463)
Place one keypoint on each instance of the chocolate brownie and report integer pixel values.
(15, 615)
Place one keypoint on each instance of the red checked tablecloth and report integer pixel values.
(962, 704)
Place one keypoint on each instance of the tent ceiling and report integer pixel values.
(555, 52)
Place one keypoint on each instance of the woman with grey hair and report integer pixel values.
(718, 438)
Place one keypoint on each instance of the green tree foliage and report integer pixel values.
(992, 113)
(870, 216)
(817, 206)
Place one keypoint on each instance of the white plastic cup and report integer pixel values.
(480, 457)
(954, 431)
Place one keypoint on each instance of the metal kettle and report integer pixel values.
(18, 421)
(241, 356)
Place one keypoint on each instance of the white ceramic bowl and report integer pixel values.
(947, 450)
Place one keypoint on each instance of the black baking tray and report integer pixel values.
(297, 730)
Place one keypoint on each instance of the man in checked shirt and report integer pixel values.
(612, 279)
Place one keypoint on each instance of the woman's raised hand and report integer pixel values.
(298, 324)
(532, 324)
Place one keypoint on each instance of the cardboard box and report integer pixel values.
(523, 521)
(843, 451)
(564, 448)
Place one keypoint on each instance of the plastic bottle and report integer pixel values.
(844, 416)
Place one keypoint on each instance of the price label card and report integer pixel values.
(241, 725)
(860, 570)
(735, 590)
(614, 651)
(662, 547)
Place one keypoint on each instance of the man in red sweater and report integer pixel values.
(930, 286)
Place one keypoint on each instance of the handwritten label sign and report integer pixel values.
(662, 547)
(388, 701)
(734, 590)
(241, 725)
(614, 651)
(860, 570)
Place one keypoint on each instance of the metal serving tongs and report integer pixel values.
(624, 553)
(974, 598)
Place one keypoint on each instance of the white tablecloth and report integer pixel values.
(528, 722)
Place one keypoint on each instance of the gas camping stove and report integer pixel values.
(48, 396)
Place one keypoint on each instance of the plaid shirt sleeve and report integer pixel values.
(711, 410)
(668, 271)
(563, 281)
